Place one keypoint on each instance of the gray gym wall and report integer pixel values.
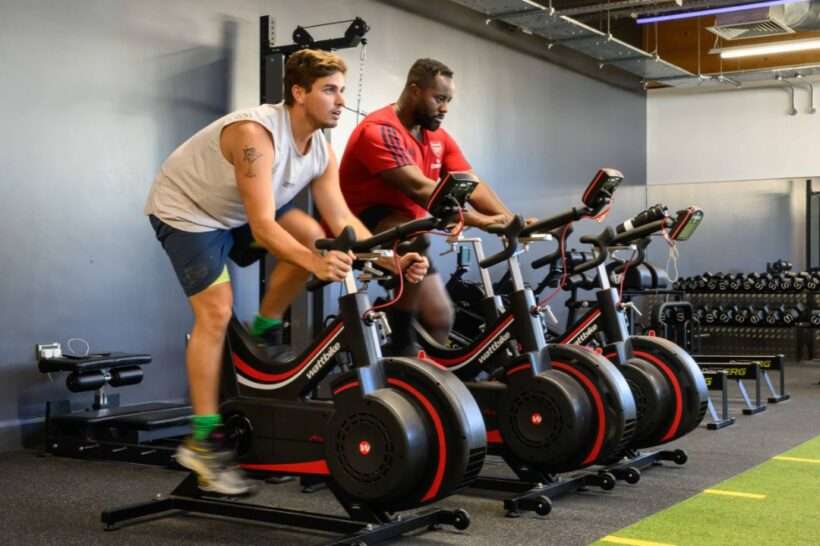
(746, 224)
(96, 93)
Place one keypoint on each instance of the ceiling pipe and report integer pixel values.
(804, 16)
(810, 88)
(790, 90)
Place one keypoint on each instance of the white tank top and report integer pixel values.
(196, 189)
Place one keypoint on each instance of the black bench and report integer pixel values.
(147, 432)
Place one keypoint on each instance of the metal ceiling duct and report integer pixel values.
(768, 21)
(803, 16)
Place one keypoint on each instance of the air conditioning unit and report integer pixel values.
(753, 23)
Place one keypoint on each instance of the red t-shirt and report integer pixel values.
(380, 143)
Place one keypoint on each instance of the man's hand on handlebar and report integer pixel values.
(333, 265)
(413, 264)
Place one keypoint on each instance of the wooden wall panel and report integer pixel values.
(677, 43)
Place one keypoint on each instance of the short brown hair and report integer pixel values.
(424, 71)
(308, 65)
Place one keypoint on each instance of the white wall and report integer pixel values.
(745, 225)
(744, 134)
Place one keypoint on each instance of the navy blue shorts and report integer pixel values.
(199, 258)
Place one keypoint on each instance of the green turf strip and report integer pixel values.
(789, 515)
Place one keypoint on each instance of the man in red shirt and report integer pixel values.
(391, 164)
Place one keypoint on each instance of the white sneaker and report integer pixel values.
(215, 468)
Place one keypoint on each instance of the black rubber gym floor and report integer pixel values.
(50, 500)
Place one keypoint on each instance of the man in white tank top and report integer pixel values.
(231, 183)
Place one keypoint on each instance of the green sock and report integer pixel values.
(263, 324)
(203, 425)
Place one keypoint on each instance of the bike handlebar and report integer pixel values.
(346, 241)
(554, 222)
(511, 232)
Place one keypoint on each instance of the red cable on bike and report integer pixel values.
(562, 239)
(459, 227)
(399, 292)
(562, 247)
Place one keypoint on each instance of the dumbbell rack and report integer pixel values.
(732, 339)
(798, 341)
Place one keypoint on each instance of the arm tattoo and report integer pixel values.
(250, 155)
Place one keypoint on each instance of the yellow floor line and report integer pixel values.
(796, 459)
(734, 494)
(632, 541)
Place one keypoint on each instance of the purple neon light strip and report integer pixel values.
(713, 11)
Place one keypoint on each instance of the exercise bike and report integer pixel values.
(668, 386)
(397, 433)
(548, 410)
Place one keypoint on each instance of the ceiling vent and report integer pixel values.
(753, 23)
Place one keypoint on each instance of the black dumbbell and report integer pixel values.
(674, 315)
(703, 282)
(710, 314)
(794, 314)
(735, 282)
(727, 314)
(713, 281)
(762, 282)
(691, 284)
(729, 282)
(773, 315)
(742, 315)
(668, 315)
(775, 283)
(756, 316)
(749, 281)
(780, 266)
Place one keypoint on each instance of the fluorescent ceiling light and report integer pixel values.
(770, 48)
(712, 11)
